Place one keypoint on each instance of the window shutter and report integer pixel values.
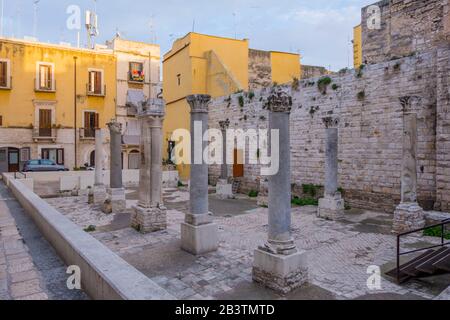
(98, 82)
(97, 125)
(86, 120)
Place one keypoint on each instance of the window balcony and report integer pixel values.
(87, 133)
(135, 79)
(95, 93)
(45, 134)
(49, 86)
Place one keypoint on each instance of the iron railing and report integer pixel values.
(24, 175)
(399, 236)
(101, 93)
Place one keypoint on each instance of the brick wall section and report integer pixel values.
(407, 27)
(370, 137)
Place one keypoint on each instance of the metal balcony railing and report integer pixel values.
(87, 133)
(44, 134)
(95, 93)
(48, 86)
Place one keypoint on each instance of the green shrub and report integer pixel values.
(253, 194)
(304, 202)
(323, 83)
(436, 232)
(310, 190)
(241, 101)
(91, 228)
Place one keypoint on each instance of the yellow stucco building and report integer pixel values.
(217, 66)
(43, 114)
(357, 46)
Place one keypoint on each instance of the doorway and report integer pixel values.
(45, 123)
(238, 163)
(13, 160)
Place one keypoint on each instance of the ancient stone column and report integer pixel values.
(332, 206)
(116, 191)
(224, 190)
(279, 265)
(150, 213)
(409, 215)
(198, 232)
(99, 186)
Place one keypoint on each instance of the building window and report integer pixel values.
(1, 121)
(24, 154)
(45, 77)
(91, 123)
(179, 79)
(4, 74)
(95, 85)
(56, 155)
(137, 72)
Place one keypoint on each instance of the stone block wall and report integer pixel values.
(259, 69)
(407, 27)
(371, 104)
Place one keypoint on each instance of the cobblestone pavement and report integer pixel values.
(29, 267)
(339, 253)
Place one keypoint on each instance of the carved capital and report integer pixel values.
(199, 103)
(115, 127)
(279, 100)
(331, 122)
(224, 125)
(153, 108)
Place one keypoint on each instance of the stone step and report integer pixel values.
(402, 275)
(444, 263)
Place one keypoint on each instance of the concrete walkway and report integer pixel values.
(29, 267)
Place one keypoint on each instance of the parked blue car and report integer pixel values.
(42, 165)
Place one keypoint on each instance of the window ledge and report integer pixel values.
(136, 82)
(5, 88)
(45, 90)
(92, 94)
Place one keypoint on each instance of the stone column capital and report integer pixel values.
(199, 103)
(154, 107)
(331, 122)
(279, 100)
(115, 127)
(224, 125)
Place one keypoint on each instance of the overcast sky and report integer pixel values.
(320, 30)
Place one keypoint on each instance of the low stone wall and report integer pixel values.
(104, 275)
(81, 180)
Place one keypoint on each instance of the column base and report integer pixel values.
(408, 217)
(146, 220)
(281, 273)
(224, 190)
(199, 239)
(100, 194)
(117, 200)
(331, 208)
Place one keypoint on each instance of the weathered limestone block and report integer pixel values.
(331, 208)
(117, 199)
(224, 190)
(263, 195)
(146, 220)
(280, 273)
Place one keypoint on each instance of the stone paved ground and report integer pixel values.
(29, 267)
(339, 252)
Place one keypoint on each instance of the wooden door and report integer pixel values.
(238, 164)
(45, 123)
(13, 160)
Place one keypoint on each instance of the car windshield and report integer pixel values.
(33, 162)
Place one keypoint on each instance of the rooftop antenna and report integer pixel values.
(152, 29)
(35, 18)
(1, 17)
(92, 26)
(235, 25)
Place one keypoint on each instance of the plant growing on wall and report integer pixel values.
(323, 84)
(241, 101)
(251, 95)
(359, 71)
(361, 95)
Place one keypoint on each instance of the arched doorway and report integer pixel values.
(134, 160)
(92, 159)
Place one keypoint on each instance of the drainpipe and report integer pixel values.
(75, 109)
